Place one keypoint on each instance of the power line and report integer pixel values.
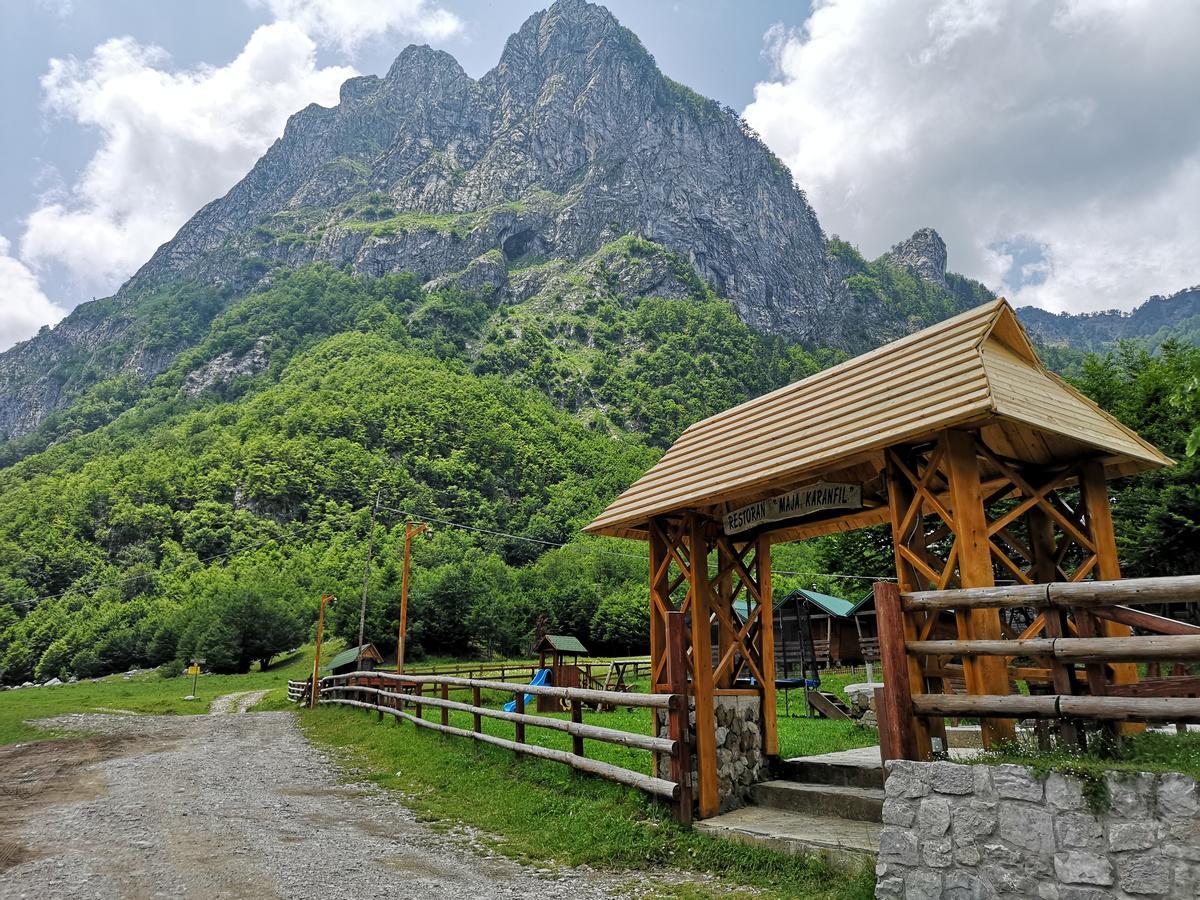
(581, 549)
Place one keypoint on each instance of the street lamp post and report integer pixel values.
(312, 698)
(410, 532)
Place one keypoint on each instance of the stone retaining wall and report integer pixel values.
(958, 831)
(741, 761)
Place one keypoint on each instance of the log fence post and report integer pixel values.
(897, 735)
(677, 718)
(520, 726)
(476, 701)
(577, 718)
(445, 696)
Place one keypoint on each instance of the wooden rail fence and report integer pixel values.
(1079, 695)
(394, 694)
(297, 691)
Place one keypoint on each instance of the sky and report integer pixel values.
(1055, 144)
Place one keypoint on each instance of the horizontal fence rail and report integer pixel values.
(297, 691)
(391, 694)
(1170, 648)
(1061, 594)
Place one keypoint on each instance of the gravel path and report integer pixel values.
(240, 702)
(231, 806)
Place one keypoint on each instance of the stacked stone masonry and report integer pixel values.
(956, 831)
(741, 761)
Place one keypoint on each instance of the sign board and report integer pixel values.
(801, 502)
(193, 669)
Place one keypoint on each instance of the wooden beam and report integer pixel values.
(1162, 648)
(898, 736)
(1062, 595)
(1094, 491)
(766, 646)
(1145, 621)
(702, 673)
(984, 676)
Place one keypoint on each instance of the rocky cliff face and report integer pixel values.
(924, 254)
(573, 139)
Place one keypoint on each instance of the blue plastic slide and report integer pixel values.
(541, 679)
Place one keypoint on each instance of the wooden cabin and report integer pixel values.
(347, 661)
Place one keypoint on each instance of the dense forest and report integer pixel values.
(204, 512)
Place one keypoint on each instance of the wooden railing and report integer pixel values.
(1078, 695)
(392, 694)
(298, 690)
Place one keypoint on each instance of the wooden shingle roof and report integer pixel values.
(977, 369)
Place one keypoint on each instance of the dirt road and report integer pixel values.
(229, 806)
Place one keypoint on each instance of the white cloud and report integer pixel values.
(170, 141)
(23, 307)
(346, 24)
(1068, 126)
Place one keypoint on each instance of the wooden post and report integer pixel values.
(766, 637)
(316, 685)
(520, 726)
(660, 597)
(1094, 490)
(984, 676)
(702, 674)
(677, 718)
(1045, 570)
(477, 719)
(410, 532)
(577, 718)
(418, 688)
(898, 735)
(445, 696)
(899, 630)
(724, 601)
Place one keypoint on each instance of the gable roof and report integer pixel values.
(350, 654)
(975, 368)
(563, 643)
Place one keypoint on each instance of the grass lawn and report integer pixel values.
(147, 692)
(1148, 752)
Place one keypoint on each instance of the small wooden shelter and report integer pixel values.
(984, 463)
(556, 648)
(348, 660)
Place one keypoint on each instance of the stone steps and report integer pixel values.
(845, 843)
(815, 770)
(830, 805)
(837, 801)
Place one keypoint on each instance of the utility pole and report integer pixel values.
(312, 695)
(410, 532)
(362, 615)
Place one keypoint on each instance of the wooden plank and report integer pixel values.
(970, 526)
(1169, 686)
(1053, 706)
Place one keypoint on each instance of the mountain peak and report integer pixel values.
(924, 254)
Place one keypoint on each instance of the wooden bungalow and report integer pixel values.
(836, 631)
(984, 463)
